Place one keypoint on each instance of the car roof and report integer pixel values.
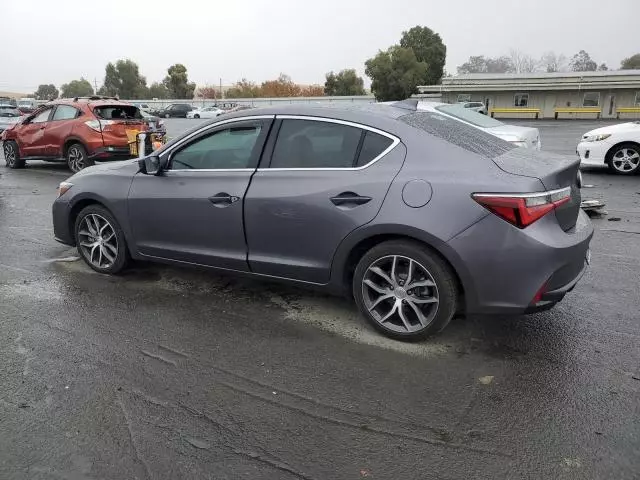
(87, 101)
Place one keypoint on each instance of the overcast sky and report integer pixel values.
(49, 41)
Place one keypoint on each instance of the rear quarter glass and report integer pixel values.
(458, 133)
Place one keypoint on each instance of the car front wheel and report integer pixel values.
(166, 115)
(196, 116)
(405, 290)
(625, 159)
(100, 240)
(12, 155)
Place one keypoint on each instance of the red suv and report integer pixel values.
(78, 131)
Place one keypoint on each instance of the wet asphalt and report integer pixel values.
(164, 373)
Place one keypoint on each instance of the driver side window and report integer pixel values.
(224, 149)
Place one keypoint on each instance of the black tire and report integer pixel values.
(196, 116)
(166, 115)
(617, 159)
(77, 158)
(12, 155)
(445, 290)
(120, 259)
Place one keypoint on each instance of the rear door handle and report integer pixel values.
(223, 199)
(349, 199)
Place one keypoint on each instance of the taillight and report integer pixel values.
(99, 125)
(523, 209)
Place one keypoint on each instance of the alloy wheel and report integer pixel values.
(98, 241)
(626, 160)
(9, 154)
(400, 294)
(75, 159)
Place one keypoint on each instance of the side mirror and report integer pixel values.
(152, 165)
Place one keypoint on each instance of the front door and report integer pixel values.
(32, 135)
(58, 129)
(325, 178)
(193, 212)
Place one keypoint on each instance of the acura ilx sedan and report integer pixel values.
(414, 214)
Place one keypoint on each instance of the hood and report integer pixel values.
(619, 128)
(126, 166)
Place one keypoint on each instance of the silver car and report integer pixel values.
(415, 215)
(475, 106)
(527, 137)
(9, 115)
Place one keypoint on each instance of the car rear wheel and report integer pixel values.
(625, 159)
(166, 115)
(100, 240)
(196, 116)
(77, 158)
(12, 155)
(405, 290)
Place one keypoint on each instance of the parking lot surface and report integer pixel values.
(165, 373)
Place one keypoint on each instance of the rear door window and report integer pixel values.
(373, 146)
(315, 144)
(64, 112)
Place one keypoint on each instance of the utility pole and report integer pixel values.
(221, 95)
(95, 84)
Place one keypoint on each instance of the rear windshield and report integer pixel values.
(471, 116)
(117, 112)
(458, 133)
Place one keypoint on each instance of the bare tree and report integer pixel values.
(522, 63)
(553, 62)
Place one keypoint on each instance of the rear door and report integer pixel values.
(59, 129)
(115, 120)
(322, 179)
(31, 136)
(193, 213)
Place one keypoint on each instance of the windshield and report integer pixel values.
(117, 112)
(466, 115)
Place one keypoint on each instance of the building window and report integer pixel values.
(637, 104)
(521, 100)
(464, 97)
(591, 99)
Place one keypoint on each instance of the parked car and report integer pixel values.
(527, 137)
(207, 112)
(9, 116)
(153, 122)
(27, 105)
(78, 131)
(614, 146)
(143, 107)
(416, 215)
(475, 106)
(179, 110)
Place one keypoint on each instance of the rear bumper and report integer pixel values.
(111, 153)
(508, 267)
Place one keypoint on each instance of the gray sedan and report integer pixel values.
(414, 214)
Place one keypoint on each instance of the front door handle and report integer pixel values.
(349, 199)
(223, 199)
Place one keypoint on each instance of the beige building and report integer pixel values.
(609, 94)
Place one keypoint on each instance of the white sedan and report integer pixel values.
(527, 137)
(208, 112)
(615, 146)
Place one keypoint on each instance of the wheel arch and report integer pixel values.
(70, 141)
(608, 156)
(359, 242)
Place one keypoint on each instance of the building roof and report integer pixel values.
(537, 81)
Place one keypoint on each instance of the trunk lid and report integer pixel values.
(529, 135)
(554, 171)
(115, 120)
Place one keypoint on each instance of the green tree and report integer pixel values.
(345, 83)
(581, 62)
(482, 64)
(46, 92)
(157, 90)
(429, 49)
(123, 79)
(243, 89)
(76, 88)
(177, 82)
(631, 63)
(395, 73)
